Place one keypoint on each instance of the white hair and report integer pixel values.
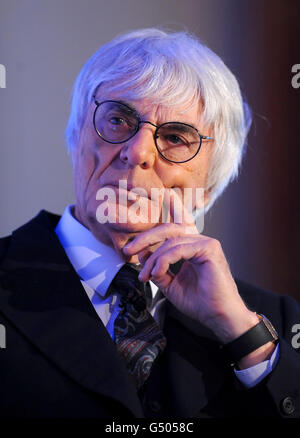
(170, 68)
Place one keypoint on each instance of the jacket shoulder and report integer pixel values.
(4, 245)
(31, 239)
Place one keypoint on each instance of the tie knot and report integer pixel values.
(130, 288)
(127, 278)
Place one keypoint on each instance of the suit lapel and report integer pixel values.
(193, 365)
(43, 297)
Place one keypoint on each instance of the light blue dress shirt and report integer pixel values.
(97, 264)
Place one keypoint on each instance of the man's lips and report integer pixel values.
(139, 190)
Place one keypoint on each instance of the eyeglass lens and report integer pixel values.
(116, 123)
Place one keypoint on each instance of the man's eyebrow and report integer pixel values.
(182, 126)
(127, 108)
(131, 109)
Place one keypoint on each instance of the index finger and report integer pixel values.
(180, 210)
(154, 236)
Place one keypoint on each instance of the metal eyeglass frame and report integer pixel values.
(139, 122)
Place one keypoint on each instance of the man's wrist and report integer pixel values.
(230, 328)
(257, 356)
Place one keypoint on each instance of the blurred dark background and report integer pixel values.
(43, 45)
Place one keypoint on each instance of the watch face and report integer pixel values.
(270, 327)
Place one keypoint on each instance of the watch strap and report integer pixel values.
(256, 337)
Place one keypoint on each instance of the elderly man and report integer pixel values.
(114, 311)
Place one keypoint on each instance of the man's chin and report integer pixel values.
(130, 228)
(117, 235)
(121, 234)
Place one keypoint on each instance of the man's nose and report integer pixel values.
(140, 150)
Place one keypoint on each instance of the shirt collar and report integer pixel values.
(95, 263)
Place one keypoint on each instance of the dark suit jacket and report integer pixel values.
(60, 362)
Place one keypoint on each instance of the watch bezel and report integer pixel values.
(269, 326)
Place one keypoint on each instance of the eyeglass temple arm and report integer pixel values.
(205, 137)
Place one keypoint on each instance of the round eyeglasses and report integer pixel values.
(115, 122)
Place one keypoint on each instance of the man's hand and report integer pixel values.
(204, 289)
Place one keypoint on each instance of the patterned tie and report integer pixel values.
(138, 337)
